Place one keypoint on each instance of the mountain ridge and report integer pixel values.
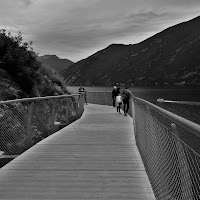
(170, 57)
(54, 62)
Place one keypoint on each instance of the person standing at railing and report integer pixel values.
(83, 91)
(80, 90)
(126, 97)
(115, 92)
(85, 95)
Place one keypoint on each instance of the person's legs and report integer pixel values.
(127, 106)
(124, 107)
(113, 101)
(120, 107)
(85, 100)
(117, 105)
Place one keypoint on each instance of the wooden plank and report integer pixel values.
(92, 158)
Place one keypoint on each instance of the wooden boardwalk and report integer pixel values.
(92, 158)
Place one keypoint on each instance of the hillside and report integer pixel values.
(21, 74)
(170, 57)
(54, 62)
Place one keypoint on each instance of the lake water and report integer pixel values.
(189, 112)
(152, 94)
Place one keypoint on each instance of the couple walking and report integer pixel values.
(120, 98)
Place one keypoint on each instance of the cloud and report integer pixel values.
(81, 27)
(141, 17)
(177, 3)
(25, 2)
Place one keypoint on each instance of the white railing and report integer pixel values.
(24, 122)
(192, 103)
(169, 147)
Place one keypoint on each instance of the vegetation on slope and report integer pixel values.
(21, 74)
(54, 62)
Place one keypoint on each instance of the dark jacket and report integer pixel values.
(115, 92)
(126, 94)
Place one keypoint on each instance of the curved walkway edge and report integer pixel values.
(93, 158)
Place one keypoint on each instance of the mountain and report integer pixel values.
(170, 57)
(54, 62)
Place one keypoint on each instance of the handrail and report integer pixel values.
(187, 124)
(37, 98)
(179, 102)
(168, 145)
(23, 124)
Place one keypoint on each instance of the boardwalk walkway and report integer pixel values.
(93, 158)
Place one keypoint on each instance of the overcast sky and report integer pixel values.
(75, 29)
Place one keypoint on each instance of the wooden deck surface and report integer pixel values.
(93, 158)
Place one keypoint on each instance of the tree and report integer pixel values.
(21, 63)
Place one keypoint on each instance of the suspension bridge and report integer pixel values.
(93, 153)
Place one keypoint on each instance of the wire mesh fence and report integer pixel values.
(172, 165)
(25, 122)
(168, 145)
(102, 98)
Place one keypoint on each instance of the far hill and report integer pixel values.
(170, 57)
(54, 62)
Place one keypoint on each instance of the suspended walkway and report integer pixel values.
(96, 154)
(93, 158)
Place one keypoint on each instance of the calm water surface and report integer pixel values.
(152, 94)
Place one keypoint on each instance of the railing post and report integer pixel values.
(147, 114)
(77, 107)
(96, 98)
(183, 164)
(81, 104)
(67, 112)
(133, 116)
(105, 99)
(52, 120)
(91, 97)
(130, 111)
(29, 141)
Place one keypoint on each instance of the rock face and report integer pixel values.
(54, 62)
(170, 57)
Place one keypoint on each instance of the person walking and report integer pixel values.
(114, 94)
(126, 97)
(119, 102)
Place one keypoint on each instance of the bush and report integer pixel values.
(20, 63)
(21, 75)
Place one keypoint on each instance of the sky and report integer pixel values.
(76, 29)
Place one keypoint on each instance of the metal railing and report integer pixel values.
(179, 102)
(24, 122)
(169, 146)
(102, 98)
